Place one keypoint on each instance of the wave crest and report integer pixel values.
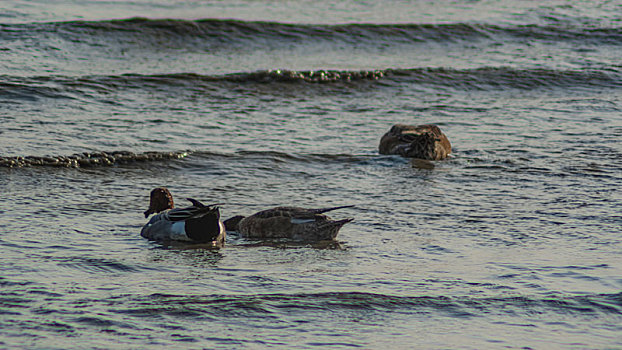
(484, 78)
(81, 160)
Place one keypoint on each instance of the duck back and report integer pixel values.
(292, 222)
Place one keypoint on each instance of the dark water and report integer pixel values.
(513, 242)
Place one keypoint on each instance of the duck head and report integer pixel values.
(161, 199)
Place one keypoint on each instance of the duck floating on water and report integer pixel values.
(415, 141)
(198, 223)
(289, 222)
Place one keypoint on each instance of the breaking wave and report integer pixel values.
(485, 78)
(86, 159)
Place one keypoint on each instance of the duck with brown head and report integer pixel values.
(160, 200)
(198, 223)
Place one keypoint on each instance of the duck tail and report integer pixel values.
(329, 229)
(205, 228)
(335, 224)
(198, 204)
(340, 223)
(324, 210)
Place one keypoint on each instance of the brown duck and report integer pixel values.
(198, 223)
(415, 141)
(289, 222)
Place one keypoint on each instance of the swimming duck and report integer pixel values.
(289, 222)
(197, 223)
(415, 141)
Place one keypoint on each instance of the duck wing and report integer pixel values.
(295, 214)
(306, 214)
(324, 210)
(181, 214)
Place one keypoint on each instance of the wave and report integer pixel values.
(229, 31)
(485, 78)
(262, 304)
(114, 158)
(95, 265)
(86, 159)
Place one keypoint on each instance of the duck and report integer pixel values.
(197, 223)
(294, 223)
(416, 141)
